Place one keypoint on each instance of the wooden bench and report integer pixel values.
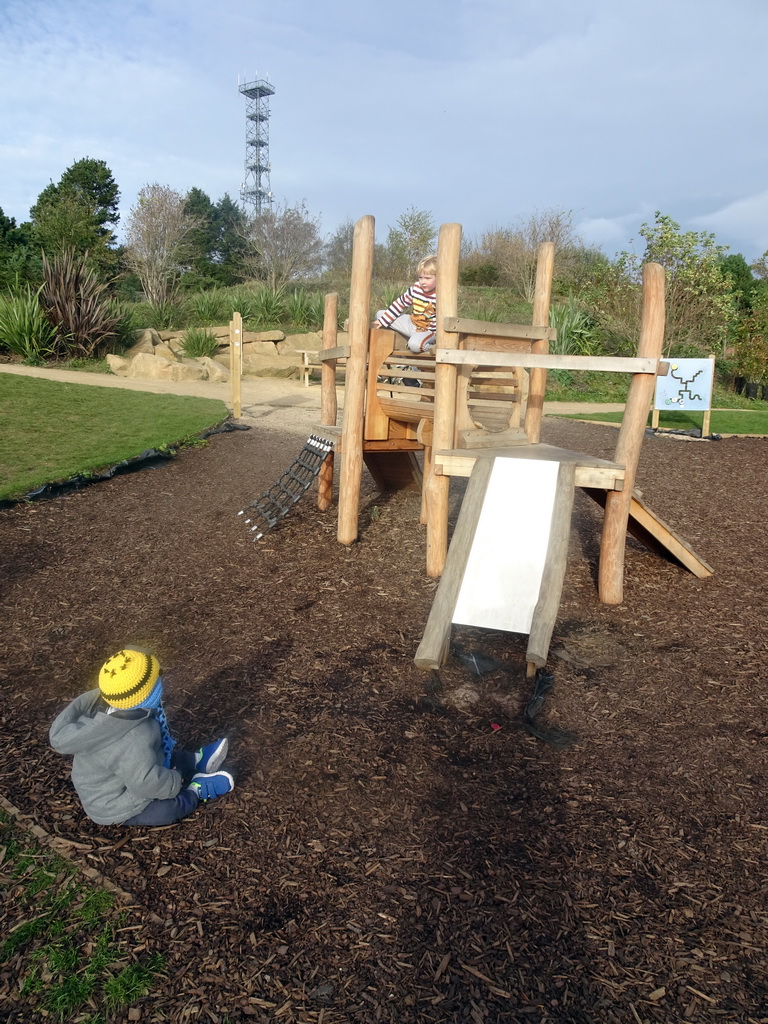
(309, 359)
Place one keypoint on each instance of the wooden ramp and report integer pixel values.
(653, 533)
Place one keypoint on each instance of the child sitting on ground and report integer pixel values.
(126, 768)
(419, 327)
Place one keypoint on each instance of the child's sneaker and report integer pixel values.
(209, 786)
(211, 757)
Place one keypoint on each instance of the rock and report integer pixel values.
(262, 336)
(187, 369)
(312, 342)
(144, 341)
(165, 351)
(260, 348)
(271, 366)
(118, 364)
(213, 370)
(148, 367)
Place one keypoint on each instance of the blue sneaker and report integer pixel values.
(209, 786)
(211, 757)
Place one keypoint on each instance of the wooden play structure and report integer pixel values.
(480, 404)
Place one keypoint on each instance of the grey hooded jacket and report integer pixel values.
(118, 766)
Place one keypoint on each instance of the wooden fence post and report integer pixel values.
(235, 360)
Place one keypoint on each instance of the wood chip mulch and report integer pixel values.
(398, 847)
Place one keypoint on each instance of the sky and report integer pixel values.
(482, 112)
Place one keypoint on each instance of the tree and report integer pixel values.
(741, 281)
(338, 251)
(514, 250)
(413, 238)
(201, 240)
(699, 301)
(19, 262)
(230, 246)
(79, 213)
(282, 244)
(155, 249)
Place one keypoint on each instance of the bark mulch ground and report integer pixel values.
(398, 847)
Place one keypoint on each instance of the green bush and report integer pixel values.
(24, 328)
(74, 301)
(577, 330)
(198, 342)
(205, 309)
(164, 316)
(305, 309)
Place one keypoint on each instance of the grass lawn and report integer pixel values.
(53, 431)
(722, 421)
(71, 953)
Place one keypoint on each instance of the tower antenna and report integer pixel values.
(256, 190)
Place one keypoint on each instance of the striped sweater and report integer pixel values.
(422, 305)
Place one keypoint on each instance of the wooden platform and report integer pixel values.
(589, 470)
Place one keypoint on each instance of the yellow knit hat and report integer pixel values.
(128, 678)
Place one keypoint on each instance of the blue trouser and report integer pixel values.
(165, 812)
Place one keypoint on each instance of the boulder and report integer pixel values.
(118, 364)
(213, 371)
(262, 336)
(144, 341)
(165, 351)
(271, 366)
(260, 348)
(187, 369)
(148, 367)
(312, 342)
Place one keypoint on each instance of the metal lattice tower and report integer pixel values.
(255, 189)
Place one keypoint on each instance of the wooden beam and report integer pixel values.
(461, 325)
(652, 532)
(338, 352)
(433, 648)
(545, 612)
(609, 364)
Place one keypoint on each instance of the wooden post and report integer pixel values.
(354, 387)
(328, 404)
(328, 401)
(436, 486)
(537, 383)
(617, 503)
(545, 612)
(708, 411)
(235, 360)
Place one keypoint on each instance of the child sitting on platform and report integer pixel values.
(126, 768)
(419, 327)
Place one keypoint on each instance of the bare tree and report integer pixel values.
(283, 244)
(513, 250)
(158, 226)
